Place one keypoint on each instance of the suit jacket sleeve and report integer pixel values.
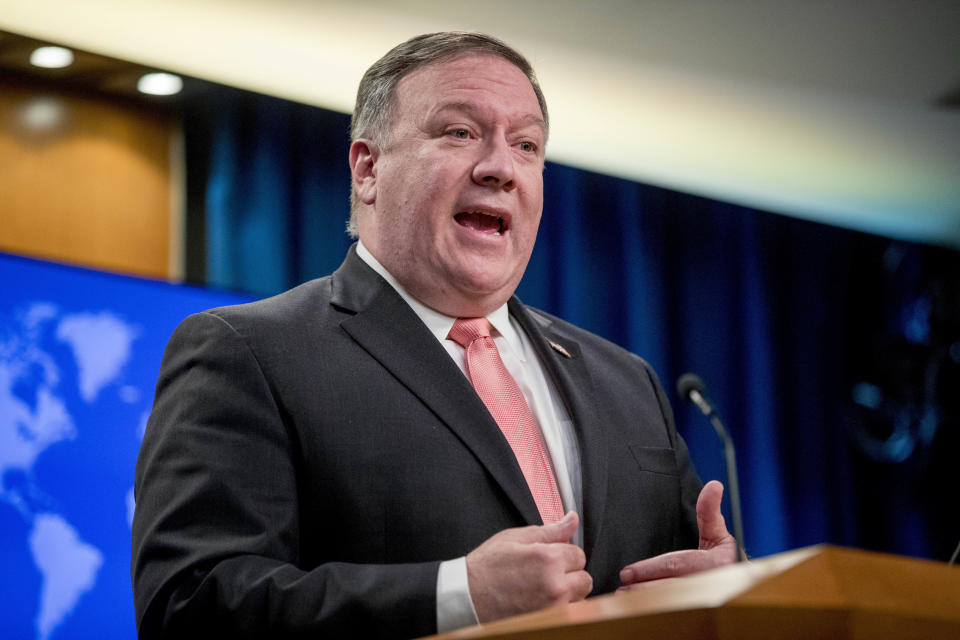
(216, 536)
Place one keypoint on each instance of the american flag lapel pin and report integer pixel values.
(559, 349)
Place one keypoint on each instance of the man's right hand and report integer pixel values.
(527, 568)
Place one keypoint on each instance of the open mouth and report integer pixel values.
(483, 221)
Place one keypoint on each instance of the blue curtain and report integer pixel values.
(833, 356)
(270, 185)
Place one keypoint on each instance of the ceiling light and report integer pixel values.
(160, 84)
(51, 57)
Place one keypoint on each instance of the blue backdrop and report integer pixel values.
(79, 357)
(832, 355)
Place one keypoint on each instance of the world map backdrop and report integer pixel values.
(79, 356)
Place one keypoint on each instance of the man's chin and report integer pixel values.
(485, 296)
(473, 297)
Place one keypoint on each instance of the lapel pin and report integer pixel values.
(559, 349)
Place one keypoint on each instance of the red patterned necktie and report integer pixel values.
(503, 398)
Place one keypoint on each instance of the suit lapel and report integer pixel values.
(564, 365)
(385, 326)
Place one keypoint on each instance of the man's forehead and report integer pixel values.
(466, 58)
(443, 86)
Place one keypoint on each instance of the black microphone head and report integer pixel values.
(690, 382)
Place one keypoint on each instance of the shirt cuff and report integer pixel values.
(454, 604)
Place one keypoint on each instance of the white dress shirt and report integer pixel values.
(454, 605)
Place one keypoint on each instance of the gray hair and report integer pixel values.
(376, 95)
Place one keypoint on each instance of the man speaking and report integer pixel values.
(403, 447)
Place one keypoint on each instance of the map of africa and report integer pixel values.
(79, 354)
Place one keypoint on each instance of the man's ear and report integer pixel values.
(363, 169)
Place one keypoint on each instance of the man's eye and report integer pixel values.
(526, 145)
(463, 134)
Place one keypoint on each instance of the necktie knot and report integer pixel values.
(466, 330)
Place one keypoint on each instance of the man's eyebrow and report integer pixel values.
(531, 119)
(468, 107)
(535, 120)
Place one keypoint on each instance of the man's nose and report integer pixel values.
(495, 166)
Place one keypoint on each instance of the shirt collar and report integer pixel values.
(438, 323)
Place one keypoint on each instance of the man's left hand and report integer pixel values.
(717, 547)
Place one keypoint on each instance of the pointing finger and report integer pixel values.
(667, 565)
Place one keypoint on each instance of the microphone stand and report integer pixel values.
(731, 456)
(695, 396)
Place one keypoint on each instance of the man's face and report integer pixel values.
(456, 193)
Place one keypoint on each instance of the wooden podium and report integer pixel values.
(816, 592)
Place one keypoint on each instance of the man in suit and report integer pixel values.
(347, 458)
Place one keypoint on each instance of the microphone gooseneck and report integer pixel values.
(691, 388)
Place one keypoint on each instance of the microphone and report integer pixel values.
(691, 387)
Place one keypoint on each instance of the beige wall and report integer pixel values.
(85, 180)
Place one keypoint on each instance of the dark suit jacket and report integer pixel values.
(312, 457)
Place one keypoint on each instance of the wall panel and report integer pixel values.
(85, 180)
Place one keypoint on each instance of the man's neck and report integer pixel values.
(439, 323)
(469, 309)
